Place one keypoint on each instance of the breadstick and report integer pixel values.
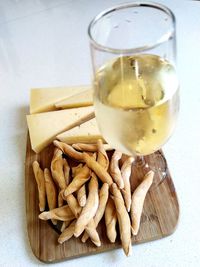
(60, 198)
(76, 169)
(66, 170)
(126, 173)
(103, 198)
(81, 196)
(57, 168)
(137, 202)
(68, 150)
(123, 219)
(64, 225)
(81, 178)
(89, 147)
(111, 220)
(102, 157)
(67, 233)
(73, 204)
(114, 169)
(63, 213)
(51, 191)
(39, 177)
(98, 169)
(89, 210)
(92, 233)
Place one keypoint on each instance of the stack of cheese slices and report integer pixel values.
(66, 114)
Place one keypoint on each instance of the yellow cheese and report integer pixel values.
(44, 127)
(82, 99)
(87, 132)
(43, 99)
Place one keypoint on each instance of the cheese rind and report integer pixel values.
(44, 99)
(82, 99)
(87, 132)
(44, 127)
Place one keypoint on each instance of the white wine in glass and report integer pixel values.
(136, 90)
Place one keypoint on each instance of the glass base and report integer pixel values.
(155, 162)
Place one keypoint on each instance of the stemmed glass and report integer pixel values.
(136, 90)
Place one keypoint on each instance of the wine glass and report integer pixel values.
(136, 90)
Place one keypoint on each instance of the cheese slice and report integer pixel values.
(44, 127)
(87, 132)
(43, 99)
(79, 100)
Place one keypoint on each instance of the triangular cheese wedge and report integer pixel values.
(82, 99)
(44, 127)
(43, 99)
(87, 132)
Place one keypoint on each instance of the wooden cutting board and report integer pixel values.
(159, 218)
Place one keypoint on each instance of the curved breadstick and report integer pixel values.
(111, 220)
(51, 191)
(102, 157)
(126, 173)
(81, 178)
(137, 202)
(67, 233)
(103, 198)
(123, 219)
(57, 168)
(98, 169)
(89, 147)
(73, 204)
(114, 169)
(39, 177)
(68, 150)
(60, 198)
(66, 170)
(64, 225)
(63, 213)
(81, 196)
(92, 233)
(76, 169)
(89, 210)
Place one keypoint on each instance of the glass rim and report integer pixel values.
(165, 37)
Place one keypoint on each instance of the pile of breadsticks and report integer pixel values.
(80, 196)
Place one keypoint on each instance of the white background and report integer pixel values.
(44, 43)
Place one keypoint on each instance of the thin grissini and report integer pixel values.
(81, 196)
(137, 201)
(92, 233)
(126, 173)
(65, 224)
(73, 204)
(51, 191)
(123, 219)
(103, 175)
(39, 177)
(111, 220)
(63, 213)
(60, 198)
(89, 210)
(57, 168)
(81, 178)
(76, 169)
(89, 147)
(66, 170)
(67, 233)
(103, 198)
(102, 157)
(114, 169)
(68, 150)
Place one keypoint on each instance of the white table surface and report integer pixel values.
(44, 43)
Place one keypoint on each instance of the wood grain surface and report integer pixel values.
(159, 218)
